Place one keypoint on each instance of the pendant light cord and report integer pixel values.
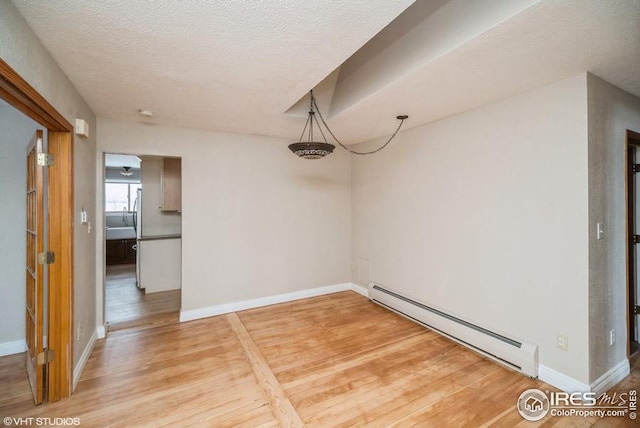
(314, 104)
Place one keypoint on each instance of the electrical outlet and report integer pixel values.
(79, 335)
(612, 337)
(562, 341)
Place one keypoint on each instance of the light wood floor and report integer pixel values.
(335, 360)
(128, 306)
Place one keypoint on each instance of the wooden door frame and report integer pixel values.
(632, 140)
(20, 94)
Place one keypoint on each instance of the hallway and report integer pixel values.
(128, 306)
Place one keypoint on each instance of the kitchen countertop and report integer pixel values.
(159, 237)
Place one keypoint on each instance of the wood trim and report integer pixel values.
(61, 272)
(628, 188)
(21, 95)
(632, 144)
(633, 137)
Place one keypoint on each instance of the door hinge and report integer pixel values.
(47, 258)
(636, 239)
(636, 310)
(45, 357)
(46, 159)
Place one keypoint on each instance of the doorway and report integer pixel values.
(19, 178)
(633, 241)
(143, 224)
(58, 372)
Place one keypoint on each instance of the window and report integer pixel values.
(120, 196)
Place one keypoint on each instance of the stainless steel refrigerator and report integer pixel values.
(137, 226)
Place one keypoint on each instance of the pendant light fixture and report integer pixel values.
(311, 149)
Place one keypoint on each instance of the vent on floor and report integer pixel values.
(513, 353)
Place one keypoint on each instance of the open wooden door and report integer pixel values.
(36, 264)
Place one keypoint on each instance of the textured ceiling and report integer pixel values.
(240, 65)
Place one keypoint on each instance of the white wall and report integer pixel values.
(154, 220)
(22, 50)
(17, 131)
(256, 220)
(611, 112)
(484, 215)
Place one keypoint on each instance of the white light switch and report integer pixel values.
(599, 231)
(83, 216)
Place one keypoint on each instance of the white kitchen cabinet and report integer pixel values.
(160, 263)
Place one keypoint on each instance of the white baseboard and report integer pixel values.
(82, 362)
(561, 380)
(611, 378)
(360, 289)
(101, 332)
(569, 384)
(14, 347)
(211, 311)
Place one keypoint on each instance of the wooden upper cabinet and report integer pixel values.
(172, 184)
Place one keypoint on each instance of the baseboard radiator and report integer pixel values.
(510, 352)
